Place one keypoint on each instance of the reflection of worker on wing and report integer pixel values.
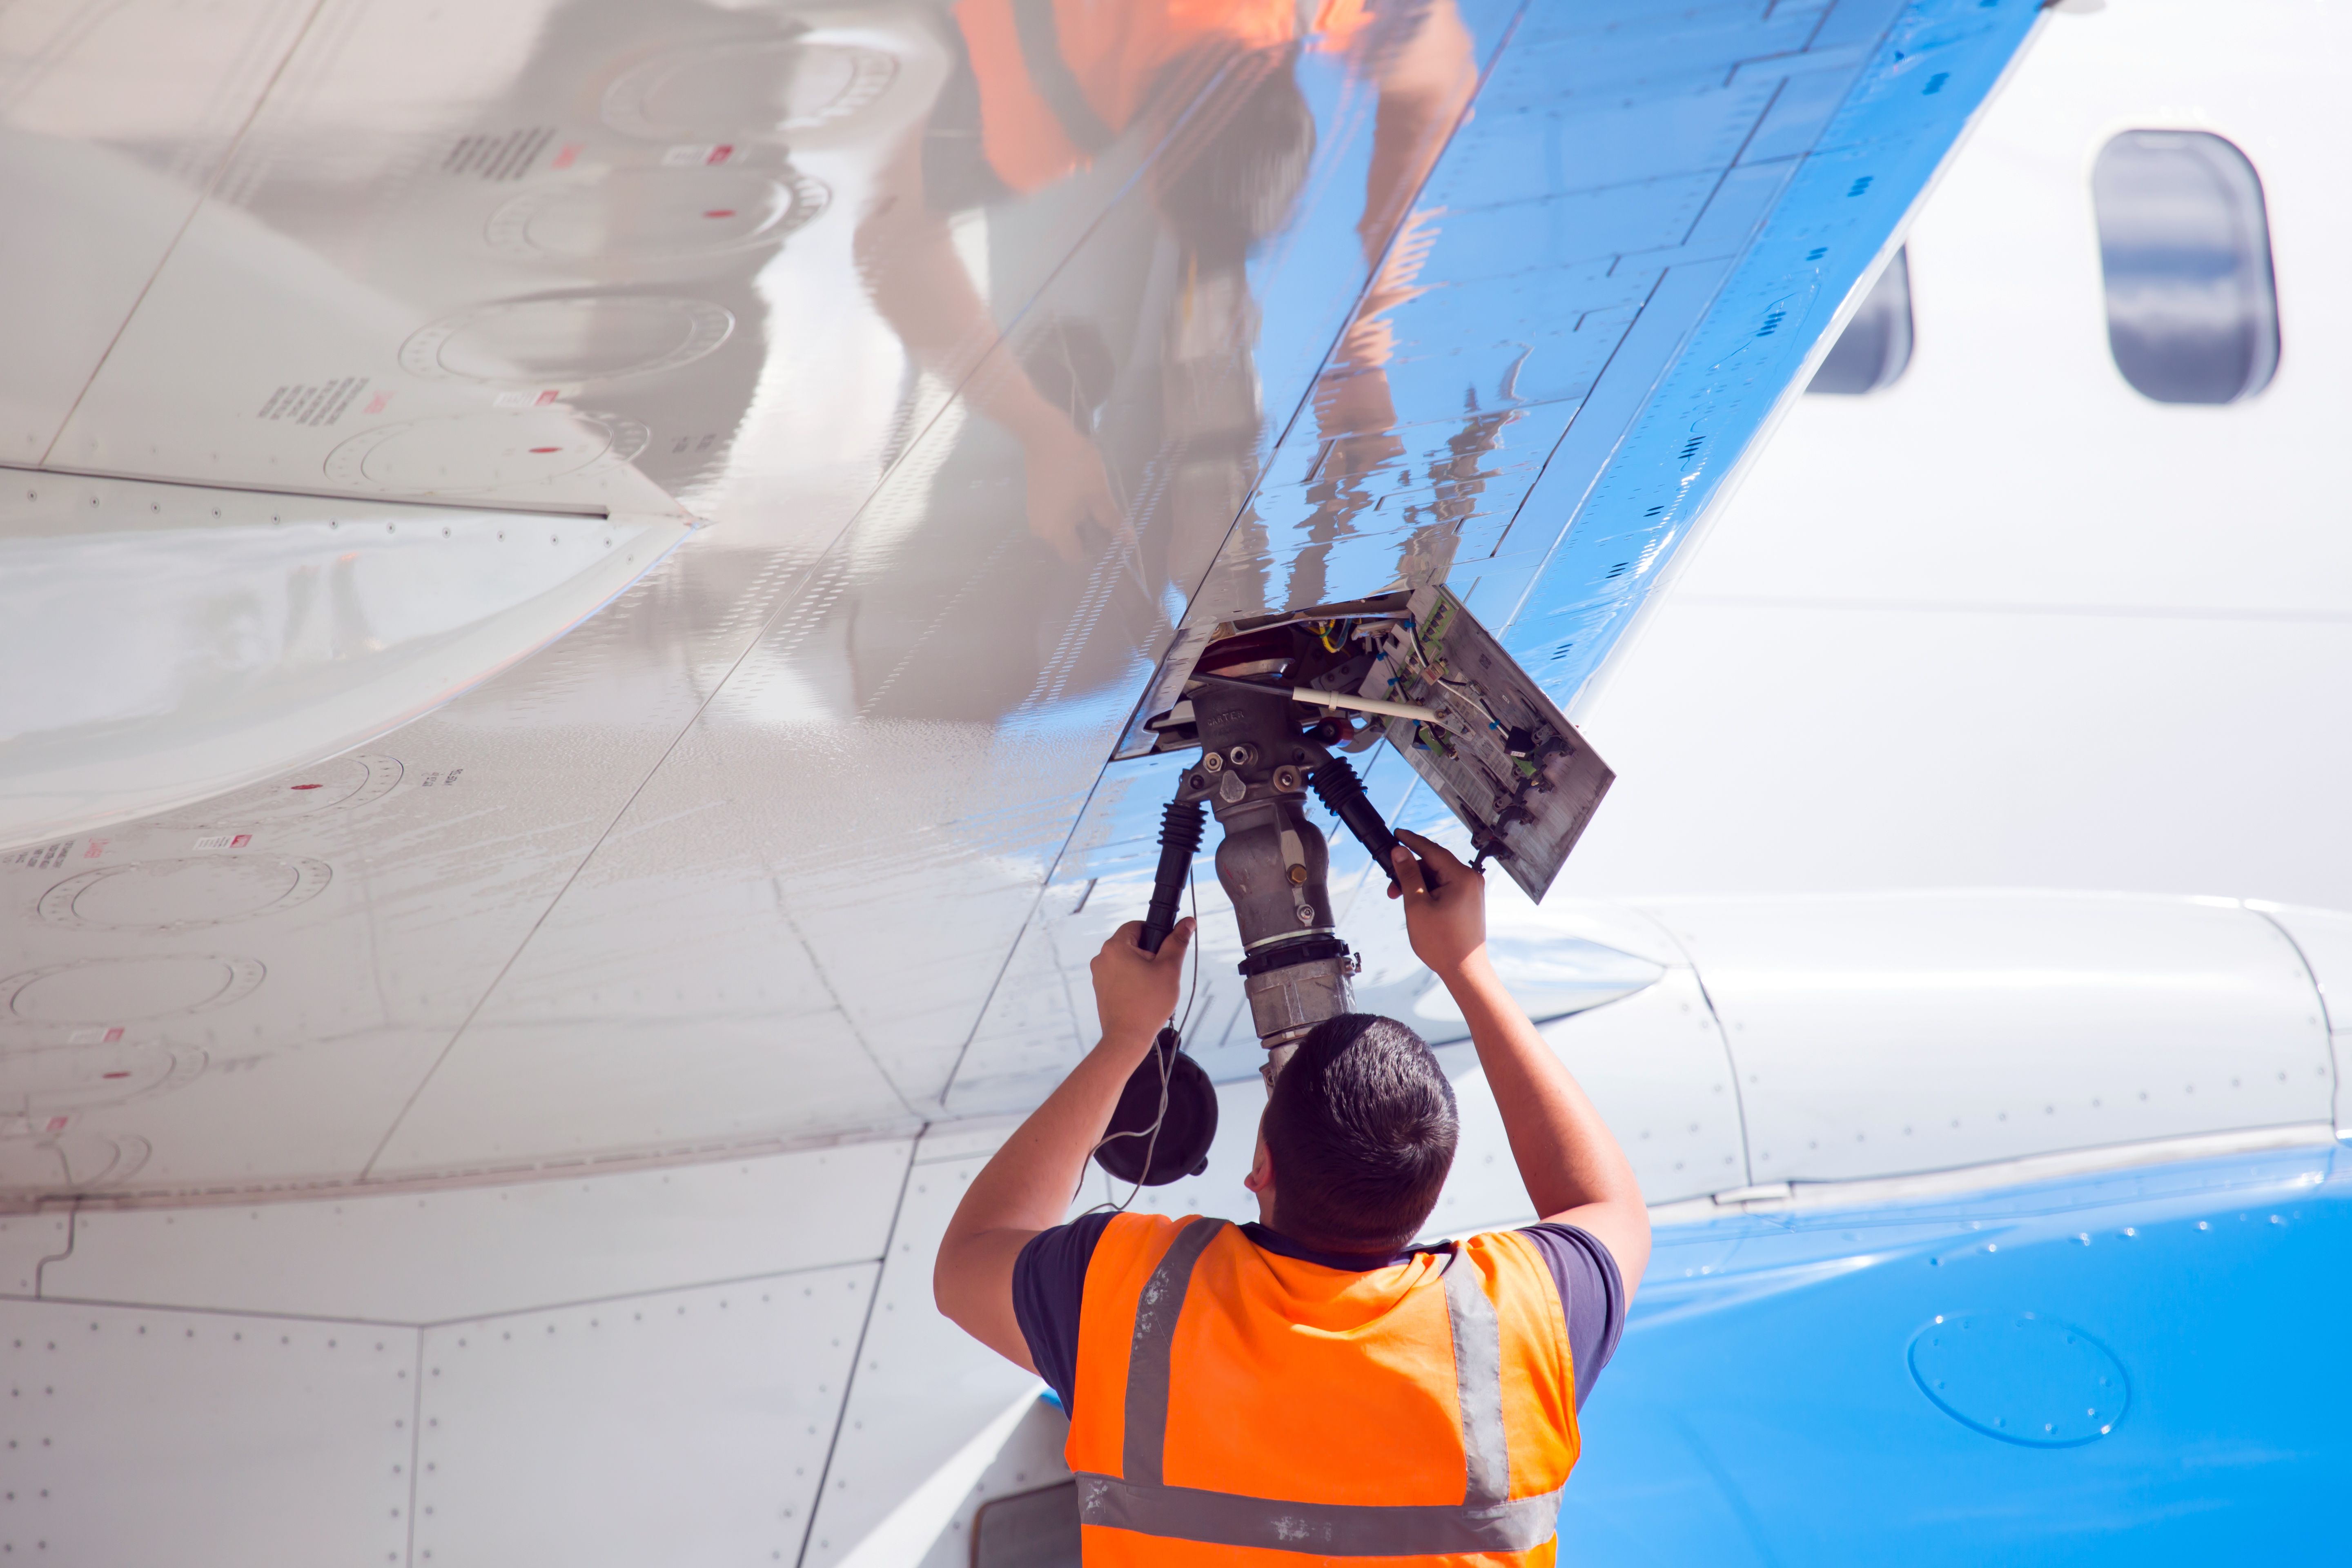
(1355, 413)
(1133, 409)
(1312, 1381)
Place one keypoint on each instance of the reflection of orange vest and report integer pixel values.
(1238, 1407)
(1059, 80)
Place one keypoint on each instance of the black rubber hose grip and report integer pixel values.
(1180, 826)
(1342, 794)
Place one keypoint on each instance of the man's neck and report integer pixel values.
(1269, 1239)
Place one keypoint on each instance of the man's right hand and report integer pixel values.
(1135, 991)
(1447, 924)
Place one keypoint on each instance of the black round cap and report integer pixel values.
(1185, 1133)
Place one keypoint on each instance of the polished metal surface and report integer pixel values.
(922, 415)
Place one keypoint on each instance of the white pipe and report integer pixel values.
(1366, 704)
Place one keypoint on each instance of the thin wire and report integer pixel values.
(1192, 896)
(1469, 695)
(1167, 1070)
(1151, 1147)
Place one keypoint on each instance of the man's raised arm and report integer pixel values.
(1026, 1187)
(1567, 1156)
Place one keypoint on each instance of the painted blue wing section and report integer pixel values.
(1650, 218)
(1851, 130)
(1916, 1382)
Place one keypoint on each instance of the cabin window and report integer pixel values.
(1876, 346)
(2192, 313)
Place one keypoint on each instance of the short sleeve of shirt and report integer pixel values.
(1591, 1296)
(1048, 1280)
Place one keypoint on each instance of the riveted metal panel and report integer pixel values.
(205, 1439)
(685, 1425)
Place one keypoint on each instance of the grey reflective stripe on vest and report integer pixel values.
(1327, 1528)
(1040, 36)
(1478, 1384)
(1155, 1341)
(1488, 1520)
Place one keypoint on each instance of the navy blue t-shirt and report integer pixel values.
(1050, 1276)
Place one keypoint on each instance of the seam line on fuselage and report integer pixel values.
(438, 503)
(2011, 607)
(857, 1355)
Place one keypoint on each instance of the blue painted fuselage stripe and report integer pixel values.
(1772, 1401)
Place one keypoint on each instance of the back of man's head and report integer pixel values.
(1362, 1127)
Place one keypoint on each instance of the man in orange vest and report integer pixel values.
(1313, 1384)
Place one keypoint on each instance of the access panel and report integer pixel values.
(1417, 669)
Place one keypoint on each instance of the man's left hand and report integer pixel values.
(1135, 991)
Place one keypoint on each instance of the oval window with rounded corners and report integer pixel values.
(2192, 313)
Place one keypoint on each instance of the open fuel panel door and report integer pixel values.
(1500, 756)
(1417, 669)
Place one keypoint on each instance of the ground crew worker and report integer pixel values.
(1313, 1384)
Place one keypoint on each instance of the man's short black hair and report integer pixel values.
(1362, 1127)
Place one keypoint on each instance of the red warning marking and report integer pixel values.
(379, 403)
(546, 398)
(720, 212)
(308, 786)
(97, 847)
(58, 1123)
(720, 153)
(114, 1074)
(564, 159)
(113, 1035)
(546, 448)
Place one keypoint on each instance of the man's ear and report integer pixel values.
(1261, 1171)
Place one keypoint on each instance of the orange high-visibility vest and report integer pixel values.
(1060, 80)
(1239, 1407)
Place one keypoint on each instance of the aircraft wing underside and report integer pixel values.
(353, 842)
